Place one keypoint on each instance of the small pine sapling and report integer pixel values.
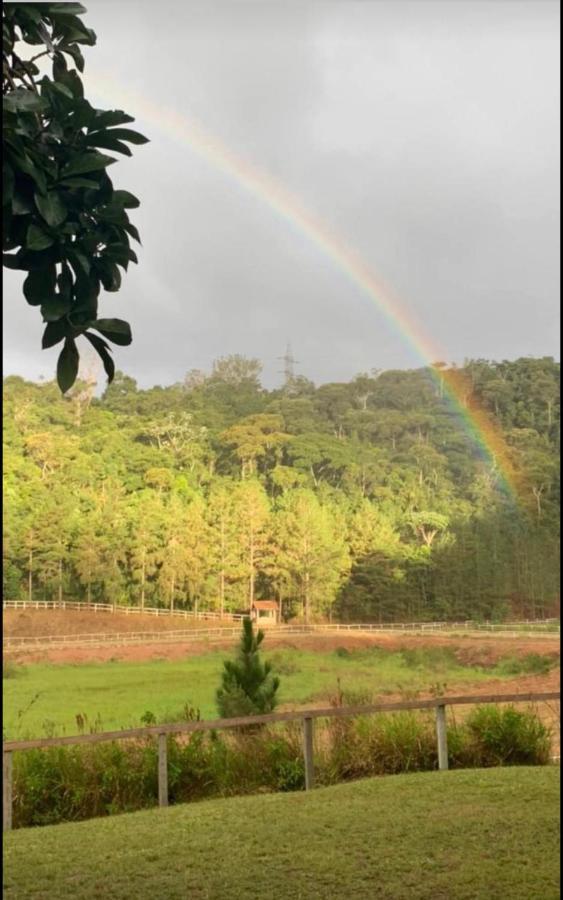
(247, 685)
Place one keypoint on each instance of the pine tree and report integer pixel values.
(248, 686)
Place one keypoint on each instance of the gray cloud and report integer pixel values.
(425, 133)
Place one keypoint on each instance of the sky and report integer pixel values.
(424, 134)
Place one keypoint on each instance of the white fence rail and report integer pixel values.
(122, 610)
(213, 635)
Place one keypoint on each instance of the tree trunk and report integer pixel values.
(222, 592)
(222, 572)
(60, 581)
(30, 578)
(251, 578)
(143, 570)
(172, 589)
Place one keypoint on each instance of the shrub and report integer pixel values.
(434, 658)
(283, 665)
(530, 664)
(506, 736)
(78, 782)
(380, 745)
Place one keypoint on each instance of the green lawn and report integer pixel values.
(45, 699)
(485, 834)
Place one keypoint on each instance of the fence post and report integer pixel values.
(442, 736)
(308, 752)
(7, 791)
(162, 771)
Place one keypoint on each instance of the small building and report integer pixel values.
(264, 612)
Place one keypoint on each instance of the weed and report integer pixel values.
(10, 669)
(530, 664)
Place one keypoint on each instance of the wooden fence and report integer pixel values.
(539, 628)
(307, 717)
(211, 635)
(123, 610)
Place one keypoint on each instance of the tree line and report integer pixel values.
(359, 500)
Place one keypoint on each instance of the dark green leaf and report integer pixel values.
(23, 100)
(83, 114)
(105, 119)
(21, 206)
(120, 254)
(59, 67)
(7, 183)
(78, 183)
(74, 51)
(67, 365)
(67, 9)
(54, 333)
(37, 239)
(51, 208)
(23, 163)
(86, 162)
(39, 286)
(79, 263)
(130, 229)
(13, 260)
(59, 88)
(113, 214)
(102, 349)
(105, 139)
(72, 80)
(125, 199)
(64, 282)
(55, 309)
(45, 36)
(115, 330)
(123, 134)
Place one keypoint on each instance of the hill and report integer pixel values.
(465, 835)
(370, 500)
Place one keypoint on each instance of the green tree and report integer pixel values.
(309, 551)
(248, 686)
(252, 512)
(144, 517)
(225, 554)
(62, 216)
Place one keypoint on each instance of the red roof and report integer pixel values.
(265, 604)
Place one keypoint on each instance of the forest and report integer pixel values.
(361, 501)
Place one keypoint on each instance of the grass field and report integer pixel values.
(44, 699)
(464, 835)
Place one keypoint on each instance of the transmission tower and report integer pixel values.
(289, 363)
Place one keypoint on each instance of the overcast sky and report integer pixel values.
(426, 134)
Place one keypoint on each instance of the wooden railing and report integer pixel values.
(307, 716)
(57, 642)
(123, 610)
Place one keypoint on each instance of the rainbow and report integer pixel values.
(483, 431)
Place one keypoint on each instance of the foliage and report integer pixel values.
(210, 494)
(530, 664)
(67, 224)
(248, 686)
(507, 737)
